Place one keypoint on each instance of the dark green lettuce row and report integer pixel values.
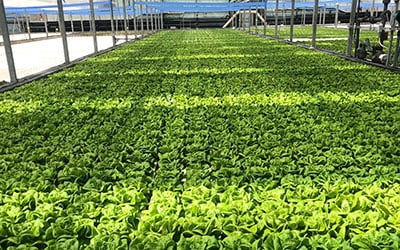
(202, 139)
(179, 142)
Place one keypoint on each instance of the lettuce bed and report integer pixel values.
(203, 139)
(322, 33)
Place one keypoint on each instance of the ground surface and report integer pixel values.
(36, 56)
(203, 139)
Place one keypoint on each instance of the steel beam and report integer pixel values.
(351, 27)
(314, 24)
(93, 26)
(7, 43)
(292, 21)
(125, 20)
(63, 32)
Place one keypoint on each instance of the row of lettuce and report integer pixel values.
(206, 139)
(328, 38)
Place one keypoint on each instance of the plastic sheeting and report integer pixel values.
(83, 8)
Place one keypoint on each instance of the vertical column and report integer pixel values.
(125, 21)
(151, 20)
(397, 47)
(45, 25)
(292, 21)
(112, 23)
(320, 16)
(392, 29)
(72, 23)
(265, 17)
(337, 15)
(159, 20)
(373, 8)
(162, 18)
(82, 27)
(62, 30)
(248, 19)
(324, 15)
(134, 18)
(183, 20)
(141, 20)
(314, 24)
(28, 27)
(256, 19)
(241, 20)
(147, 19)
(7, 43)
(351, 27)
(156, 22)
(276, 17)
(93, 26)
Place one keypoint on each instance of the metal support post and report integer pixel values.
(314, 23)
(147, 19)
(116, 22)
(72, 24)
(256, 19)
(162, 18)
(7, 43)
(276, 18)
(82, 27)
(397, 48)
(337, 15)
(239, 18)
(28, 27)
(155, 21)
(283, 13)
(62, 30)
(242, 19)
(46, 26)
(324, 15)
(397, 51)
(93, 26)
(151, 20)
(249, 20)
(292, 21)
(304, 16)
(125, 20)
(373, 8)
(392, 29)
(247, 15)
(159, 20)
(141, 20)
(320, 16)
(134, 19)
(351, 27)
(265, 17)
(112, 23)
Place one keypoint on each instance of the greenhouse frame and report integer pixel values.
(199, 124)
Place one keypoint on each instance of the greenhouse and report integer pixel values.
(199, 124)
